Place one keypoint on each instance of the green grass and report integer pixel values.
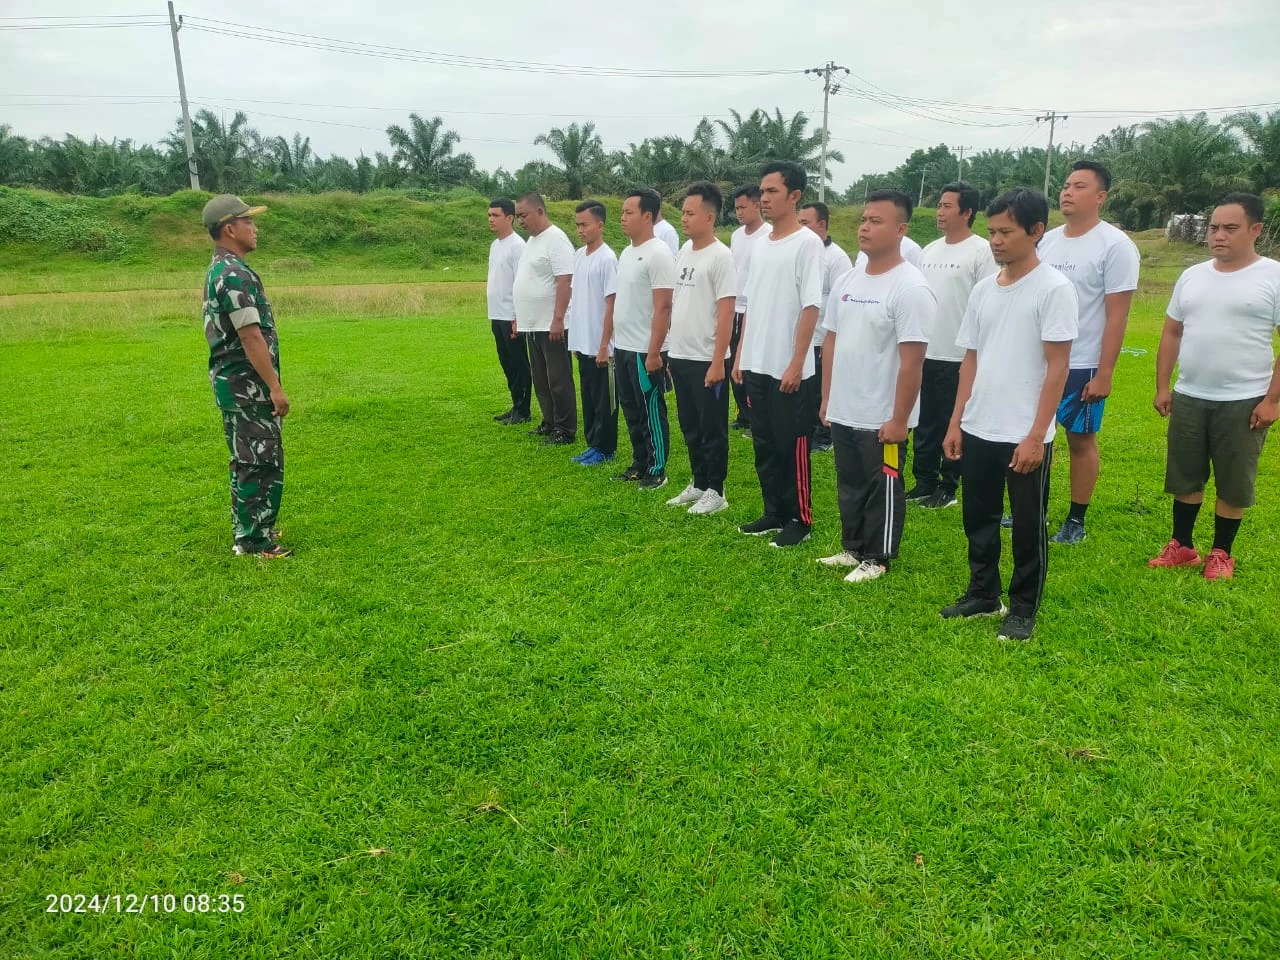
(498, 706)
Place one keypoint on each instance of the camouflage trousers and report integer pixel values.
(257, 475)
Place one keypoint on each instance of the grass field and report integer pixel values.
(497, 706)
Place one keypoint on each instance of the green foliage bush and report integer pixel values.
(61, 224)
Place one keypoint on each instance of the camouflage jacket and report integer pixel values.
(231, 288)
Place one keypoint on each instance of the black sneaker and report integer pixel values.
(918, 493)
(758, 528)
(1071, 532)
(1007, 522)
(504, 417)
(740, 424)
(631, 474)
(1017, 627)
(939, 499)
(558, 438)
(653, 481)
(793, 534)
(821, 446)
(541, 430)
(516, 418)
(970, 606)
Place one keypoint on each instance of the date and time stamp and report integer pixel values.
(145, 903)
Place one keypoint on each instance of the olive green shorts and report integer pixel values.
(1204, 433)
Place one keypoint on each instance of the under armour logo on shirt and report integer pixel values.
(686, 274)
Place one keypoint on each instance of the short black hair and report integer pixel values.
(1251, 202)
(897, 198)
(533, 199)
(820, 208)
(1098, 170)
(650, 201)
(1027, 207)
(506, 206)
(793, 175)
(216, 231)
(709, 193)
(967, 197)
(749, 190)
(593, 207)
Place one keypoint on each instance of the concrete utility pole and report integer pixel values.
(828, 88)
(174, 26)
(1053, 117)
(920, 200)
(960, 170)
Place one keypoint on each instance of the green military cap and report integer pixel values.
(225, 207)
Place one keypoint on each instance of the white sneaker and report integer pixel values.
(842, 559)
(688, 495)
(866, 570)
(709, 502)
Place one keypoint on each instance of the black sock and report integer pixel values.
(1184, 521)
(1224, 533)
(1077, 511)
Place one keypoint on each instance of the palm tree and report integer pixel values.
(425, 152)
(15, 157)
(1263, 135)
(583, 164)
(1182, 166)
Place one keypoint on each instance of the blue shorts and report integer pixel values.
(1074, 414)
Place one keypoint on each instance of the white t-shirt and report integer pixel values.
(546, 256)
(786, 277)
(910, 251)
(703, 278)
(594, 278)
(1227, 322)
(835, 264)
(870, 316)
(665, 232)
(641, 270)
(504, 258)
(1102, 261)
(953, 269)
(742, 243)
(1008, 327)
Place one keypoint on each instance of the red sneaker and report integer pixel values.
(1175, 555)
(1219, 566)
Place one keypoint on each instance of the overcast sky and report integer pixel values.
(1072, 57)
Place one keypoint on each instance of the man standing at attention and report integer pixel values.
(953, 264)
(701, 321)
(1219, 329)
(595, 271)
(874, 355)
(244, 370)
(1016, 333)
(776, 358)
(640, 322)
(541, 295)
(1102, 264)
(753, 229)
(513, 348)
(835, 264)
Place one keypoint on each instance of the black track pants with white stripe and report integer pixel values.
(869, 488)
(782, 429)
(985, 473)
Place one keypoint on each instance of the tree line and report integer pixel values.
(1161, 167)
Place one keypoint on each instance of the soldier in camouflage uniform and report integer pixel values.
(244, 369)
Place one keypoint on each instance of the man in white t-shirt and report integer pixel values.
(775, 360)
(513, 347)
(875, 325)
(595, 271)
(664, 231)
(1016, 333)
(1219, 328)
(541, 296)
(752, 229)
(638, 328)
(835, 264)
(911, 251)
(701, 321)
(953, 264)
(1102, 264)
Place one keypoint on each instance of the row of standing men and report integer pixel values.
(976, 345)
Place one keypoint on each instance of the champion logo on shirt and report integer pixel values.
(850, 298)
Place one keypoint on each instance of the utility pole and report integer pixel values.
(825, 71)
(1053, 117)
(921, 199)
(960, 170)
(174, 26)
